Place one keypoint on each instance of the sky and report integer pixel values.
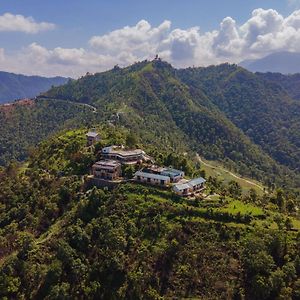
(72, 37)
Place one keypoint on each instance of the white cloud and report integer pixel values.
(38, 60)
(10, 22)
(140, 40)
(265, 32)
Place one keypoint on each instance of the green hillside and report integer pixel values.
(61, 241)
(262, 109)
(23, 126)
(291, 83)
(190, 106)
(225, 113)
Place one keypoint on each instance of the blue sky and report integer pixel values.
(78, 20)
(70, 26)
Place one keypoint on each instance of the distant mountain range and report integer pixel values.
(16, 86)
(280, 62)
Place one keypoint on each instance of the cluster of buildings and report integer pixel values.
(109, 168)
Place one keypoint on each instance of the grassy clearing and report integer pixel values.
(296, 224)
(214, 169)
(237, 207)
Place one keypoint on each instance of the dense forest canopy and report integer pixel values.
(62, 240)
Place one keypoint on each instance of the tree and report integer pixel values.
(280, 200)
(131, 140)
(234, 189)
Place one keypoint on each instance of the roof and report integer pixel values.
(106, 149)
(115, 150)
(197, 181)
(181, 186)
(151, 175)
(92, 134)
(189, 184)
(106, 163)
(172, 172)
(155, 169)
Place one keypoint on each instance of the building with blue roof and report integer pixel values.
(175, 175)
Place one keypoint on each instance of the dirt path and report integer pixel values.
(93, 108)
(230, 173)
(90, 106)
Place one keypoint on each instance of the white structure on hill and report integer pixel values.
(125, 156)
(190, 188)
(175, 175)
(152, 178)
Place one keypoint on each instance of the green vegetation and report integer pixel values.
(239, 240)
(214, 169)
(226, 114)
(60, 240)
(261, 108)
(23, 126)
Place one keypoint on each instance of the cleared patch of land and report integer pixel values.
(213, 168)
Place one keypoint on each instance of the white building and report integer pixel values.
(190, 188)
(175, 175)
(151, 178)
(125, 156)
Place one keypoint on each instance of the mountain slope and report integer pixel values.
(262, 109)
(60, 240)
(281, 62)
(24, 124)
(154, 97)
(291, 83)
(15, 86)
(224, 113)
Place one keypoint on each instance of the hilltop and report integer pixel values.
(225, 112)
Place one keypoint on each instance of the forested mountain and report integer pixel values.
(23, 125)
(62, 240)
(262, 109)
(291, 83)
(224, 112)
(16, 86)
(249, 123)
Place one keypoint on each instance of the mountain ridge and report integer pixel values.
(18, 86)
